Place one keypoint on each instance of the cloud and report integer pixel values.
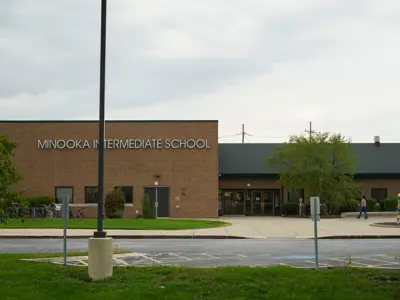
(272, 66)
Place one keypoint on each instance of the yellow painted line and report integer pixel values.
(241, 255)
(286, 265)
(152, 259)
(82, 262)
(384, 261)
(347, 262)
(209, 255)
(121, 261)
(320, 264)
(180, 256)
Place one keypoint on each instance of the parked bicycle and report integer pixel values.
(43, 211)
(78, 215)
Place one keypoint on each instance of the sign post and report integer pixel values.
(398, 209)
(315, 216)
(65, 215)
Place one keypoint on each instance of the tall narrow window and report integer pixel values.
(91, 194)
(64, 192)
(128, 191)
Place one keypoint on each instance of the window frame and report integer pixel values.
(95, 196)
(131, 191)
(63, 187)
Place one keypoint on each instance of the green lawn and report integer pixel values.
(133, 224)
(20, 280)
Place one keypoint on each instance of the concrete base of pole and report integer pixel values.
(100, 265)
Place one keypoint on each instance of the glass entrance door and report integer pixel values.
(256, 203)
(233, 202)
(268, 198)
(272, 202)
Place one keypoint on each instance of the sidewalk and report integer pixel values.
(242, 227)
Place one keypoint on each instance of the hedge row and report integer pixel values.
(36, 201)
(389, 204)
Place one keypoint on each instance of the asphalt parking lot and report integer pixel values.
(386, 261)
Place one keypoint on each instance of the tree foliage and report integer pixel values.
(147, 208)
(115, 203)
(321, 165)
(8, 176)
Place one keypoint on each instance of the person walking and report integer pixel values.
(363, 208)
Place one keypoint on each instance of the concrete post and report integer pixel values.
(100, 264)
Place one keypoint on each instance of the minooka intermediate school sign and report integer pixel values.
(126, 144)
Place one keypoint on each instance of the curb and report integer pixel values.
(197, 237)
(137, 237)
(354, 237)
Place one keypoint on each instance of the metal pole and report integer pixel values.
(156, 203)
(316, 234)
(100, 233)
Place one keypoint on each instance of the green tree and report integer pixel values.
(321, 164)
(147, 208)
(115, 203)
(8, 177)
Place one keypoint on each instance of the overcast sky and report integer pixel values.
(272, 65)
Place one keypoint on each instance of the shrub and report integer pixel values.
(36, 201)
(115, 203)
(371, 204)
(148, 211)
(350, 206)
(389, 204)
(291, 208)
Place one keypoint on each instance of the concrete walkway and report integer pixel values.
(242, 227)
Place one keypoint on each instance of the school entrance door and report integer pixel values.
(265, 202)
(159, 199)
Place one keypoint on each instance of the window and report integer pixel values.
(128, 191)
(379, 194)
(64, 192)
(91, 194)
(294, 195)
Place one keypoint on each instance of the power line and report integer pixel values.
(267, 136)
(245, 134)
(229, 136)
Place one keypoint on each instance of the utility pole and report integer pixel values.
(243, 133)
(310, 131)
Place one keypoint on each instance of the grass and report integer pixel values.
(21, 280)
(132, 224)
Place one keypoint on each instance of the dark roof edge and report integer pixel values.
(269, 175)
(108, 121)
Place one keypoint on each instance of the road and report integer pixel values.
(295, 252)
(274, 247)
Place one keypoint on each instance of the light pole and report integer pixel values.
(101, 247)
(100, 233)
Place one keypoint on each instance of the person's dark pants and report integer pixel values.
(363, 210)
